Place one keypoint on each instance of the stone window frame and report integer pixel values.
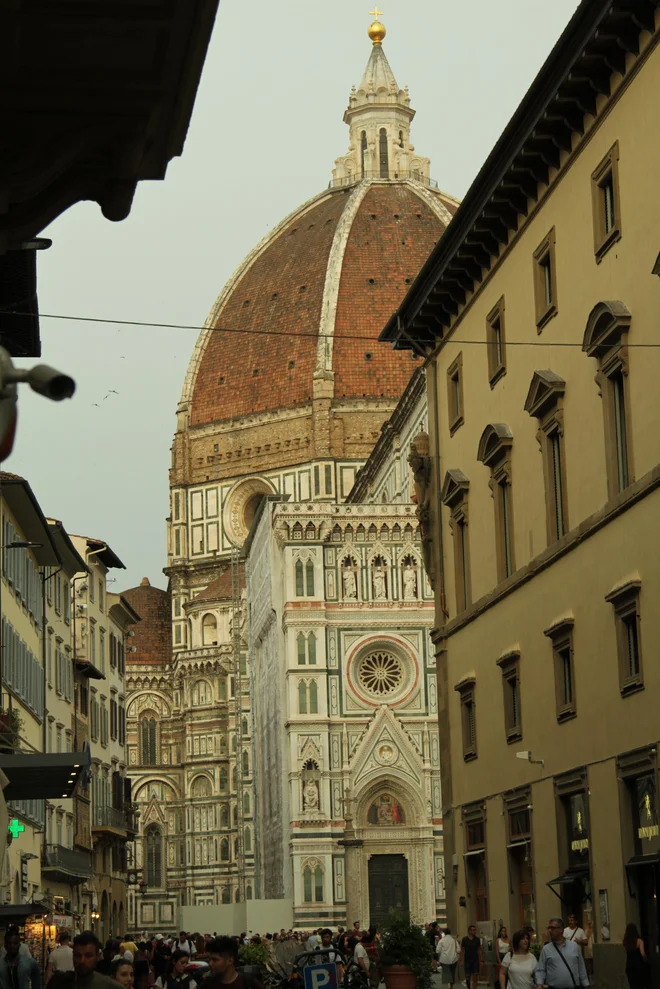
(303, 657)
(544, 258)
(495, 452)
(544, 403)
(455, 402)
(625, 600)
(454, 496)
(509, 664)
(604, 176)
(466, 689)
(605, 339)
(495, 324)
(560, 634)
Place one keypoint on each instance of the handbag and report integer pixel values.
(570, 970)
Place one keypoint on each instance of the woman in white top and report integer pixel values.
(502, 948)
(520, 964)
(177, 978)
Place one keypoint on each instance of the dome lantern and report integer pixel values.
(377, 30)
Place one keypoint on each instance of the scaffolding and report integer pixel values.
(238, 719)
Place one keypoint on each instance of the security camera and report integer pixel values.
(50, 383)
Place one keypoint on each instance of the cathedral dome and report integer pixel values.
(311, 300)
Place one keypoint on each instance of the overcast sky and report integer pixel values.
(266, 128)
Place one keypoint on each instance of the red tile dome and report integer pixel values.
(333, 271)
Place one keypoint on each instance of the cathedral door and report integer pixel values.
(388, 886)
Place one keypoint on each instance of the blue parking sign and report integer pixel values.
(321, 976)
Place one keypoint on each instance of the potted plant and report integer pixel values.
(252, 958)
(406, 955)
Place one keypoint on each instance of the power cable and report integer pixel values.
(273, 333)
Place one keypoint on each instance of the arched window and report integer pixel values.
(311, 649)
(313, 698)
(223, 690)
(209, 630)
(233, 743)
(149, 741)
(235, 848)
(302, 697)
(248, 892)
(244, 727)
(307, 884)
(318, 884)
(301, 649)
(224, 851)
(246, 763)
(224, 816)
(223, 745)
(226, 895)
(201, 787)
(223, 780)
(363, 152)
(247, 840)
(234, 778)
(300, 579)
(201, 693)
(309, 578)
(153, 846)
(246, 803)
(384, 161)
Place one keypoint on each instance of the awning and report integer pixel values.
(42, 775)
(21, 911)
(638, 861)
(568, 879)
(478, 851)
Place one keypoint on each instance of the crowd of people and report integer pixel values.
(521, 961)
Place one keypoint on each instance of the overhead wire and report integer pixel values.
(274, 333)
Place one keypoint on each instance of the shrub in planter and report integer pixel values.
(406, 955)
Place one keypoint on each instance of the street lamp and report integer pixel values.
(15, 544)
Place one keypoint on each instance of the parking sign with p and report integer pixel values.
(321, 976)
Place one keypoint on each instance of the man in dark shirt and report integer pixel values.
(18, 971)
(471, 957)
(223, 958)
(86, 952)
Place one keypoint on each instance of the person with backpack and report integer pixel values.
(447, 952)
(177, 977)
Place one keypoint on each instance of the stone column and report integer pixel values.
(352, 846)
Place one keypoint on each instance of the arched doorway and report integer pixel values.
(113, 929)
(397, 851)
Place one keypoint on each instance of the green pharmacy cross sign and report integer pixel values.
(15, 827)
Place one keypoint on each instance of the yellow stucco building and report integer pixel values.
(539, 491)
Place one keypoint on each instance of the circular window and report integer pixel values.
(380, 673)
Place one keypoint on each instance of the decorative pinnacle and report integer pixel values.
(377, 30)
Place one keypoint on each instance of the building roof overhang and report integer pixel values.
(33, 525)
(42, 775)
(593, 46)
(72, 561)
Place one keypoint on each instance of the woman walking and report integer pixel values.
(502, 949)
(519, 964)
(637, 967)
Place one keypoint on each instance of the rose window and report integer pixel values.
(380, 673)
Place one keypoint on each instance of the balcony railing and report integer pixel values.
(57, 858)
(392, 177)
(111, 817)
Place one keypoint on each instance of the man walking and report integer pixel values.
(471, 957)
(86, 952)
(574, 932)
(61, 958)
(561, 965)
(18, 971)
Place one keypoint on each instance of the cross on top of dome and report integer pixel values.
(377, 30)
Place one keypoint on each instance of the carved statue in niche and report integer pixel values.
(379, 580)
(311, 795)
(420, 462)
(409, 583)
(349, 582)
